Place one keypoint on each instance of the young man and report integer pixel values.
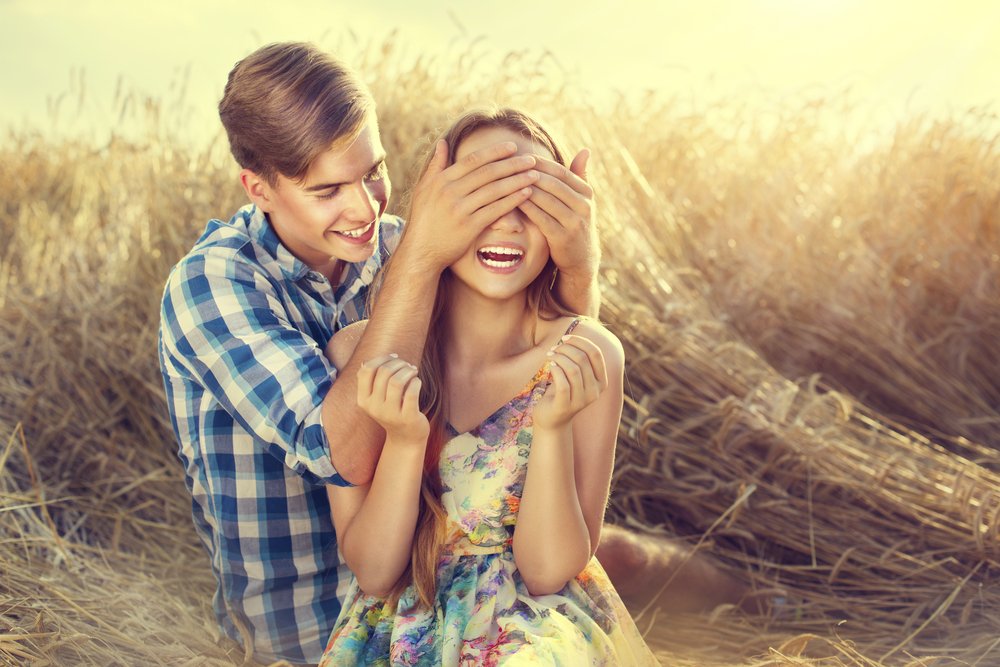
(263, 421)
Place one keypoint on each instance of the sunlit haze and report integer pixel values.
(895, 57)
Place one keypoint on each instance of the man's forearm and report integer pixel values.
(398, 325)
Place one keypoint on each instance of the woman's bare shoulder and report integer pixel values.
(600, 335)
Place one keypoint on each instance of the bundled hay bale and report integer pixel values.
(885, 536)
(878, 533)
(867, 495)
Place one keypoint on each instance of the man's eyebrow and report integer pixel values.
(326, 186)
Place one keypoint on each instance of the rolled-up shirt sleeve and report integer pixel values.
(228, 330)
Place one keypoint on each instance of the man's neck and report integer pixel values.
(335, 273)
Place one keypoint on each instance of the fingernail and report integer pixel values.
(394, 355)
(550, 353)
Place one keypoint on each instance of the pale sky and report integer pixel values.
(897, 56)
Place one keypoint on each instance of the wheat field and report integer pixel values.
(811, 316)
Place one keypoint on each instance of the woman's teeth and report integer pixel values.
(500, 257)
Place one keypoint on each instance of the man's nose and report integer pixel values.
(364, 204)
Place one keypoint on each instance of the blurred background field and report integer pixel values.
(811, 313)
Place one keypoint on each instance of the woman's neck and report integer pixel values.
(482, 331)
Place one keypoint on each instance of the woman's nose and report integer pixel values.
(512, 222)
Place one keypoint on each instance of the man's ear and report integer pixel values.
(257, 189)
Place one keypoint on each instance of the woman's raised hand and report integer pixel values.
(579, 375)
(389, 393)
(453, 204)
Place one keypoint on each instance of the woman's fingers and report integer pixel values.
(374, 377)
(595, 357)
(411, 397)
(389, 393)
(367, 372)
(380, 385)
(586, 355)
(560, 387)
(396, 386)
(583, 365)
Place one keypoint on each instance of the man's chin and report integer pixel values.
(352, 253)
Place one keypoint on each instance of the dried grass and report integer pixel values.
(811, 320)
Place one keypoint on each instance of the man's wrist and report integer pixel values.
(418, 263)
(580, 275)
(577, 288)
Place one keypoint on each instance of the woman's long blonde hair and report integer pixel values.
(542, 301)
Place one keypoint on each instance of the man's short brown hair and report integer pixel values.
(286, 103)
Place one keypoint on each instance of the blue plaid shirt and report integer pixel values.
(243, 328)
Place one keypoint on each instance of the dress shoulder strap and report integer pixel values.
(572, 325)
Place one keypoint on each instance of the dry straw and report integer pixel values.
(811, 322)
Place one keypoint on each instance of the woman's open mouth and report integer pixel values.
(500, 258)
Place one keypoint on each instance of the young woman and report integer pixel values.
(474, 542)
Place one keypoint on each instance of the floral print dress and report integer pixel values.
(484, 614)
